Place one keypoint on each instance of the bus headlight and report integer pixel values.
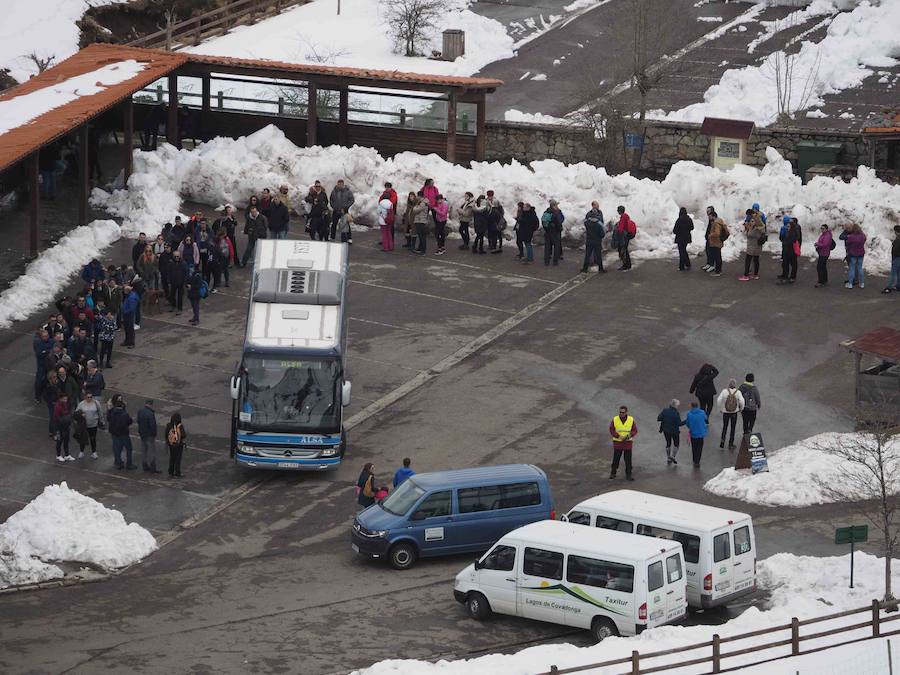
(246, 449)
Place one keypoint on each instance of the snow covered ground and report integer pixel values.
(61, 524)
(359, 37)
(796, 474)
(46, 28)
(799, 586)
(856, 44)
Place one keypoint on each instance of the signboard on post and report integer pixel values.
(752, 454)
(633, 140)
(855, 534)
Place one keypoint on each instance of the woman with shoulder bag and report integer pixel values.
(365, 486)
(175, 435)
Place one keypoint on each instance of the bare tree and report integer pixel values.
(297, 99)
(868, 467)
(41, 62)
(793, 91)
(414, 21)
(605, 125)
(647, 58)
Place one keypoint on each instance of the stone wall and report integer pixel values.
(526, 142)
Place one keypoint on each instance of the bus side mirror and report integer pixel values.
(345, 393)
(235, 387)
(564, 518)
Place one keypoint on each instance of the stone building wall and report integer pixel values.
(528, 142)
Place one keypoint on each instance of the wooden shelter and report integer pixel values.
(877, 368)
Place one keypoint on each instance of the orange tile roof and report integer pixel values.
(18, 143)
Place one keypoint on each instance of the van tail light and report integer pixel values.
(754, 567)
(552, 514)
(642, 612)
(707, 582)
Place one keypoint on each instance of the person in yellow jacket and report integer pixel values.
(623, 429)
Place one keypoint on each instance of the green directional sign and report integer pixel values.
(854, 534)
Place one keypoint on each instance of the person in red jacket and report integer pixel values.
(391, 195)
(625, 231)
(623, 429)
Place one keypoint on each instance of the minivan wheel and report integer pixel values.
(402, 556)
(478, 607)
(602, 628)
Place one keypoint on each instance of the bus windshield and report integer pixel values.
(286, 394)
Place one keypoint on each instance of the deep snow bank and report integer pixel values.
(62, 524)
(226, 170)
(801, 586)
(797, 473)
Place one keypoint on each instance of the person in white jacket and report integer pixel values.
(730, 403)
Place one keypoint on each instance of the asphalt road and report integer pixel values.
(262, 580)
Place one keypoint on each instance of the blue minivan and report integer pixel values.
(449, 512)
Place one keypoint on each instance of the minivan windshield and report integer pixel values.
(403, 498)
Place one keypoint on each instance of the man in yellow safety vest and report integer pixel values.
(623, 429)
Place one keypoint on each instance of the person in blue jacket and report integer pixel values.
(696, 422)
(403, 472)
(129, 310)
(669, 423)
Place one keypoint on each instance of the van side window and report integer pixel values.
(721, 547)
(501, 558)
(673, 568)
(540, 563)
(742, 540)
(493, 497)
(520, 494)
(689, 542)
(655, 577)
(435, 505)
(592, 572)
(608, 523)
(579, 518)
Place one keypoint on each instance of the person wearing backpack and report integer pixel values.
(824, 246)
(730, 403)
(552, 223)
(195, 290)
(790, 253)
(752, 402)
(175, 436)
(626, 230)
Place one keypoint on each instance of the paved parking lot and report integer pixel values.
(456, 361)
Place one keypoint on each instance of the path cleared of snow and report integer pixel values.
(61, 524)
(799, 586)
(797, 473)
(856, 43)
(15, 112)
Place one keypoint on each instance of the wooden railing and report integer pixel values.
(215, 22)
(637, 662)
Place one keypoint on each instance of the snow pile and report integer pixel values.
(798, 472)
(62, 524)
(513, 115)
(800, 586)
(856, 42)
(229, 171)
(43, 28)
(360, 37)
(15, 112)
(815, 9)
(46, 275)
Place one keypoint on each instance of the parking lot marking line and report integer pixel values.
(191, 328)
(357, 357)
(458, 338)
(466, 350)
(432, 297)
(444, 261)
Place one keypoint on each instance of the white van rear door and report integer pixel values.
(676, 585)
(656, 593)
(722, 568)
(744, 556)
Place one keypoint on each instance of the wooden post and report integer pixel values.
(205, 102)
(635, 663)
(226, 19)
(34, 199)
(795, 636)
(198, 33)
(857, 402)
(876, 619)
(128, 142)
(312, 115)
(479, 129)
(343, 114)
(84, 186)
(717, 654)
(252, 12)
(172, 123)
(451, 127)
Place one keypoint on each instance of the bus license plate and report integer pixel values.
(287, 465)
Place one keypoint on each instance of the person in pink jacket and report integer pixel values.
(431, 193)
(441, 213)
(855, 242)
(824, 245)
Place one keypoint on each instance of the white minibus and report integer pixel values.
(606, 582)
(719, 545)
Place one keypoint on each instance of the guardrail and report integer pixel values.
(214, 22)
(716, 656)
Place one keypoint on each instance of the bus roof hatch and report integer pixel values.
(298, 287)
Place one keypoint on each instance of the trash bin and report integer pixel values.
(810, 153)
(454, 44)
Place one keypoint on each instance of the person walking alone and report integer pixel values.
(403, 472)
(752, 402)
(175, 436)
(670, 424)
(684, 225)
(704, 387)
(623, 429)
(730, 403)
(697, 423)
(146, 420)
(824, 246)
